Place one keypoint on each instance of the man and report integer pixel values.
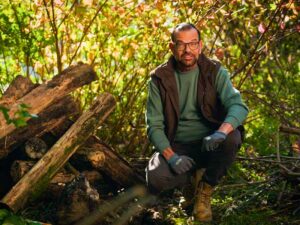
(193, 113)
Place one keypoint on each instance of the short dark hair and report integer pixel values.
(183, 27)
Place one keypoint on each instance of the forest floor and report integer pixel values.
(252, 193)
(229, 208)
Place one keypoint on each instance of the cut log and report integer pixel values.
(35, 148)
(19, 168)
(100, 156)
(38, 178)
(87, 157)
(17, 89)
(52, 117)
(45, 94)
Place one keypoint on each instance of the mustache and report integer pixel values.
(188, 54)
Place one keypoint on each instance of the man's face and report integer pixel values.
(186, 48)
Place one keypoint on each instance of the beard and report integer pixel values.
(187, 60)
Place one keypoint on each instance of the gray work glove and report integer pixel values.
(181, 164)
(212, 142)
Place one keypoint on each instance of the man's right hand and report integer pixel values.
(179, 164)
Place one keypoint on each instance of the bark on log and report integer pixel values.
(54, 116)
(103, 158)
(17, 89)
(45, 94)
(38, 178)
(20, 167)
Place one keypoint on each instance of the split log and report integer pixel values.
(45, 94)
(103, 158)
(38, 178)
(52, 117)
(17, 89)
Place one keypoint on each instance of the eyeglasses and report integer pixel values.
(192, 45)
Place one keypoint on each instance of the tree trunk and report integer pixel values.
(45, 94)
(38, 178)
(103, 158)
(54, 116)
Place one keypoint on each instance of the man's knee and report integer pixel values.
(157, 173)
(159, 176)
(155, 181)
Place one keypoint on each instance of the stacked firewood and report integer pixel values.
(57, 147)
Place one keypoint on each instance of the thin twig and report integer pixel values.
(85, 31)
(55, 32)
(281, 193)
(261, 159)
(289, 172)
(242, 184)
(277, 146)
(254, 52)
(67, 14)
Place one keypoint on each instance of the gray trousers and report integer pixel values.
(160, 177)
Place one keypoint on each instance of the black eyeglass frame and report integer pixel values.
(193, 45)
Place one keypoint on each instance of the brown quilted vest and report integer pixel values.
(207, 98)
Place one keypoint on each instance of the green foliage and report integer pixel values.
(255, 217)
(257, 41)
(9, 218)
(124, 40)
(20, 116)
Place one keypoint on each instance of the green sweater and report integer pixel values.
(191, 125)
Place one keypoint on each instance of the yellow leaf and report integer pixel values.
(270, 78)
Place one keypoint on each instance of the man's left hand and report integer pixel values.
(212, 142)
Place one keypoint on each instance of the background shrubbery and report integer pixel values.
(257, 40)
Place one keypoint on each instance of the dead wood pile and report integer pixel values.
(57, 147)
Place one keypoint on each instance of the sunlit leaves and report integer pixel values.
(20, 116)
(128, 39)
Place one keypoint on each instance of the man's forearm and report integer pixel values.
(167, 153)
(225, 128)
